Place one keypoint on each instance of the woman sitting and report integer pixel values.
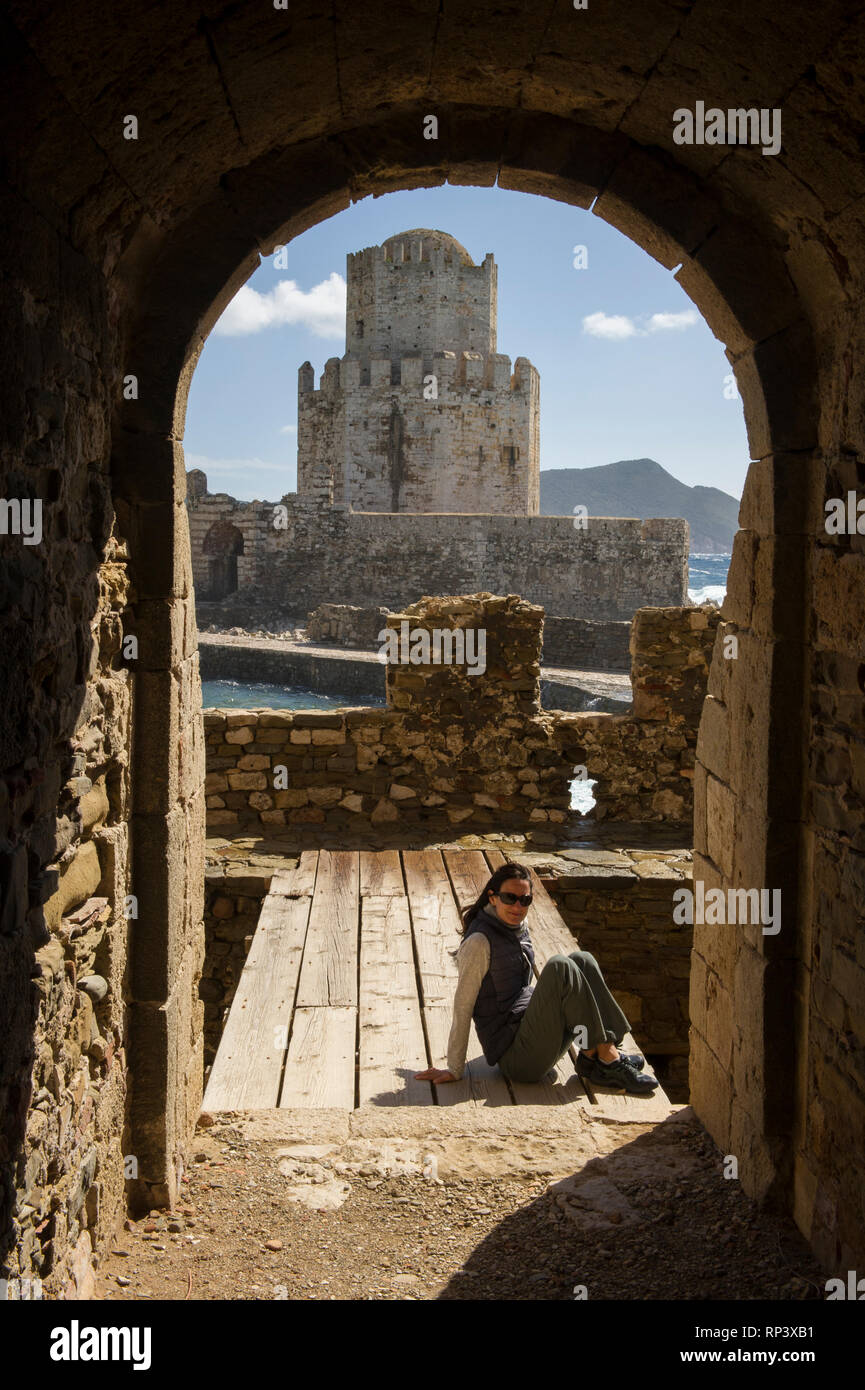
(526, 1029)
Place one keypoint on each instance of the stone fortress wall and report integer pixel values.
(328, 554)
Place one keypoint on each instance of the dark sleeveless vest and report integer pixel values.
(506, 987)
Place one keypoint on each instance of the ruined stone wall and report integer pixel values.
(319, 554)
(230, 917)
(586, 645)
(643, 762)
(436, 757)
(346, 624)
(430, 760)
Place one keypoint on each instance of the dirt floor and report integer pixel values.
(517, 1205)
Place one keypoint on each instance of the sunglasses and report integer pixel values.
(510, 898)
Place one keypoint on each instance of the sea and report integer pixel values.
(707, 577)
(240, 695)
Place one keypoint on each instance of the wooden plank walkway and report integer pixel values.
(348, 989)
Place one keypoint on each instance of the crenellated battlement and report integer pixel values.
(463, 372)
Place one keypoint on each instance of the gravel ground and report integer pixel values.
(237, 1234)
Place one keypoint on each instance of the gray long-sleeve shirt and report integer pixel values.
(473, 960)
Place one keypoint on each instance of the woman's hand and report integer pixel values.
(435, 1075)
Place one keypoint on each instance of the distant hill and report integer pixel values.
(641, 487)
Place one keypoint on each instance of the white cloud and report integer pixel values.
(321, 309)
(616, 327)
(659, 322)
(603, 325)
(288, 429)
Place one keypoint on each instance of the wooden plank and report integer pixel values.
(298, 882)
(319, 1068)
(328, 975)
(434, 920)
(381, 874)
(248, 1065)
(468, 872)
(392, 1046)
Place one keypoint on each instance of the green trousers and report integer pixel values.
(570, 994)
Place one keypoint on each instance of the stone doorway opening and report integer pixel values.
(222, 545)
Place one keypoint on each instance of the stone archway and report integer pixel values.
(737, 278)
(124, 253)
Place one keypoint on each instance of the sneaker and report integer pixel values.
(586, 1063)
(622, 1077)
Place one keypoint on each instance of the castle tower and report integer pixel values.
(421, 414)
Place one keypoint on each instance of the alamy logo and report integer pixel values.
(854, 1288)
(440, 646)
(738, 906)
(845, 521)
(75, 1343)
(736, 126)
(21, 516)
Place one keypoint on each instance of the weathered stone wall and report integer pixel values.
(586, 645)
(643, 761)
(805, 984)
(346, 624)
(321, 553)
(67, 1185)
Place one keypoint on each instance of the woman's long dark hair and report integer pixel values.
(501, 874)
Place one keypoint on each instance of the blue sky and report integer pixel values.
(629, 369)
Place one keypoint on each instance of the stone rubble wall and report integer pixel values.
(325, 553)
(346, 624)
(642, 762)
(474, 750)
(69, 1189)
(231, 913)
